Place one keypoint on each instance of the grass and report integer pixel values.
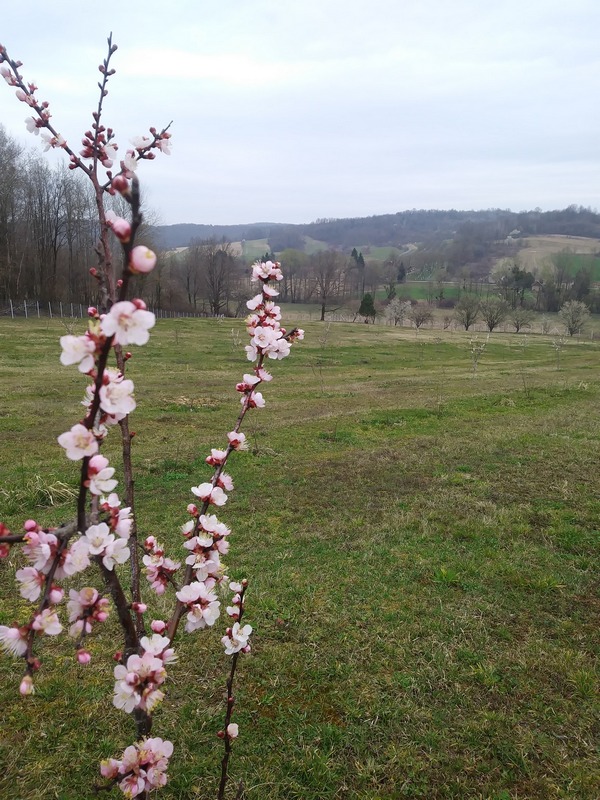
(422, 549)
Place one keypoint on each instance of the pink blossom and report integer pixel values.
(13, 640)
(100, 475)
(251, 352)
(78, 557)
(158, 626)
(31, 124)
(266, 270)
(137, 681)
(237, 440)
(127, 323)
(84, 657)
(216, 457)
(78, 442)
(236, 638)
(203, 606)
(102, 543)
(52, 141)
(78, 350)
(268, 291)
(158, 571)
(47, 622)
(211, 494)
(31, 583)
(116, 396)
(142, 142)
(225, 482)
(142, 260)
(255, 302)
(26, 687)
(109, 768)
(255, 400)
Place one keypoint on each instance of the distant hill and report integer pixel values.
(430, 228)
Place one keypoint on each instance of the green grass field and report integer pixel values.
(422, 550)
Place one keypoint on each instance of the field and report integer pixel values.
(538, 251)
(422, 548)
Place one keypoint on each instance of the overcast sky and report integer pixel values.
(292, 111)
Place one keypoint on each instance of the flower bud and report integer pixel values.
(139, 608)
(30, 525)
(83, 656)
(232, 730)
(121, 184)
(55, 595)
(142, 260)
(26, 686)
(158, 626)
(4, 550)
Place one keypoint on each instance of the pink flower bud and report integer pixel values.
(158, 626)
(139, 304)
(4, 550)
(118, 656)
(121, 184)
(84, 657)
(102, 616)
(192, 509)
(92, 311)
(142, 260)
(26, 686)
(120, 227)
(221, 734)
(119, 283)
(232, 730)
(30, 525)
(139, 608)
(55, 595)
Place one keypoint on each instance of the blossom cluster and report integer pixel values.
(137, 681)
(142, 767)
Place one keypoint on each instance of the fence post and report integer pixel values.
(71, 310)
(60, 304)
(25, 307)
(50, 309)
(37, 302)
(80, 310)
(12, 311)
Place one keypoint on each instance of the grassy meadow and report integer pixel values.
(422, 549)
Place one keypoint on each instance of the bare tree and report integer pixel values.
(466, 310)
(493, 311)
(521, 318)
(327, 267)
(419, 315)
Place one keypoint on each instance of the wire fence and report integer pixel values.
(37, 309)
